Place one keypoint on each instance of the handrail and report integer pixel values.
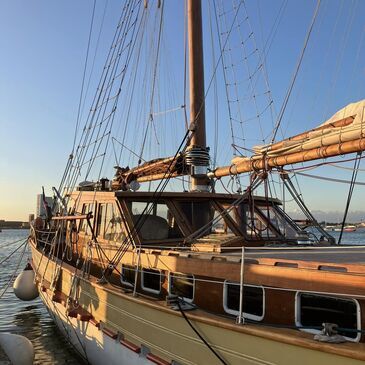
(72, 217)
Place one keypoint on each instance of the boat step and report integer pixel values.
(157, 360)
(131, 346)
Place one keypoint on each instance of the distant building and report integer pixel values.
(41, 212)
(12, 224)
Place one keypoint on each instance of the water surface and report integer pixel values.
(30, 319)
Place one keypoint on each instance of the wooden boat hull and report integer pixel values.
(157, 334)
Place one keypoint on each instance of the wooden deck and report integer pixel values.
(340, 254)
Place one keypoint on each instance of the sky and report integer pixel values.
(44, 44)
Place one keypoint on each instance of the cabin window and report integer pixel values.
(84, 227)
(182, 285)
(204, 214)
(197, 213)
(110, 223)
(313, 309)
(253, 300)
(219, 225)
(128, 274)
(278, 220)
(256, 226)
(151, 281)
(154, 221)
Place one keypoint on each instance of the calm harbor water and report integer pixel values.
(31, 319)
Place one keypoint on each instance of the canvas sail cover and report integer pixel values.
(348, 124)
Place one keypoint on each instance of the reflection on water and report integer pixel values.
(30, 319)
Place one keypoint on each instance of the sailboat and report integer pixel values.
(197, 276)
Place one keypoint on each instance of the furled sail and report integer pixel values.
(151, 170)
(346, 125)
(343, 133)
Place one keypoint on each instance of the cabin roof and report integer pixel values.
(168, 195)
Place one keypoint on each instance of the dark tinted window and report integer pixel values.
(317, 309)
(182, 285)
(128, 274)
(154, 221)
(253, 299)
(151, 280)
(84, 227)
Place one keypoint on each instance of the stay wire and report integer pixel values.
(349, 196)
(150, 120)
(287, 96)
(101, 93)
(14, 272)
(143, 216)
(13, 252)
(84, 75)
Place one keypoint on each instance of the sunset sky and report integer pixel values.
(43, 46)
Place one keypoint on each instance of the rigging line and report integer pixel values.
(262, 68)
(129, 239)
(200, 336)
(220, 61)
(108, 72)
(330, 179)
(7, 244)
(98, 95)
(248, 68)
(106, 95)
(285, 103)
(14, 272)
(339, 58)
(155, 196)
(94, 57)
(215, 150)
(233, 72)
(357, 58)
(185, 61)
(143, 25)
(162, 112)
(351, 190)
(344, 167)
(80, 107)
(154, 83)
(217, 64)
(115, 153)
(13, 252)
(127, 148)
(102, 80)
(309, 167)
(129, 56)
(84, 75)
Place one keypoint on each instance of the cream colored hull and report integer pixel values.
(167, 335)
(91, 343)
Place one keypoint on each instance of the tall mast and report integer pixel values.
(197, 94)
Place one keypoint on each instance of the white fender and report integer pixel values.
(18, 349)
(24, 286)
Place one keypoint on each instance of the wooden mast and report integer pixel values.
(196, 83)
